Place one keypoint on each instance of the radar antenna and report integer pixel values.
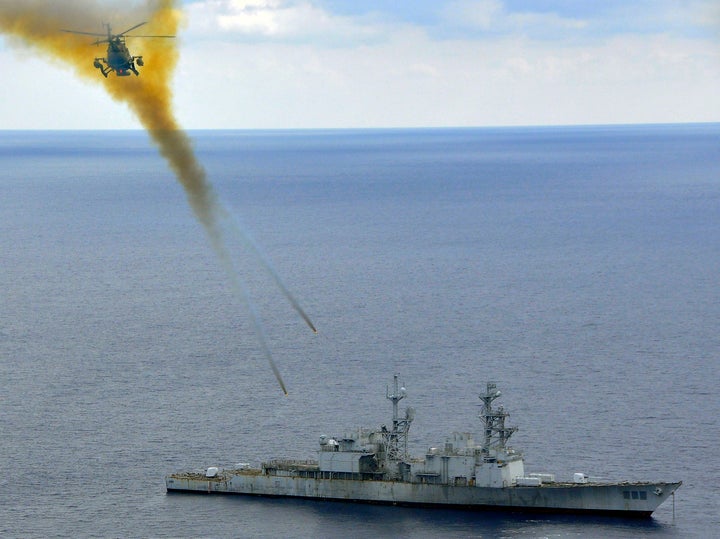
(495, 431)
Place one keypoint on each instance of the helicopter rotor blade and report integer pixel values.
(82, 33)
(129, 29)
(150, 36)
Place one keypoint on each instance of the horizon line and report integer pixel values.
(373, 128)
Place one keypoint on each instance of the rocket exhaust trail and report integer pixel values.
(265, 262)
(242, 292)
(37, 24)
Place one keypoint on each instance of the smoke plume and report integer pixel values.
(37, 24)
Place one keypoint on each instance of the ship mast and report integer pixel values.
(396, 439)
(496, 434)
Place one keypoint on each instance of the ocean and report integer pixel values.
(577, 267)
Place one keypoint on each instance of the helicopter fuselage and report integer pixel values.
(118, 59)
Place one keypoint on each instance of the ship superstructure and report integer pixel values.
(373, 466)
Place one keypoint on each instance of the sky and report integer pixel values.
(286, 64)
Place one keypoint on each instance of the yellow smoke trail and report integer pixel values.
(37, 24)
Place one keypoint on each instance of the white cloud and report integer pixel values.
(665, 16)
(412, 80)
(483, 14)
(491, 16)
(288, 76)
(276, 20)
(46, 95)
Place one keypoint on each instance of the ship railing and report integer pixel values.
(290, 464)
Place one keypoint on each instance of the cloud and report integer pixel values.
(482, 14)
(492, 17)
(313, 22)
(72, 103)
(278, 20)
(689, 18)
(559, 20)
(414, 80)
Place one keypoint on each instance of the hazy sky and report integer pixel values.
(383, 63)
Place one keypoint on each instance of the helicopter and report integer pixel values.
(118, 58)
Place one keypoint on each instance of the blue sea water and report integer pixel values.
(576, 266)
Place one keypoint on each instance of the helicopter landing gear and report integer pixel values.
(136, 60)
(104, 69)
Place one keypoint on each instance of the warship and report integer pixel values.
(373, 466)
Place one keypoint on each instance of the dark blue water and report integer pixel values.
(577, 267)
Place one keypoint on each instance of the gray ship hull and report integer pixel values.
(625, 499)
(373, 466)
